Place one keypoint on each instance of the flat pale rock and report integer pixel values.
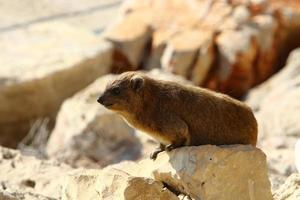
(24, 177)
(112, 184)
(48, 63)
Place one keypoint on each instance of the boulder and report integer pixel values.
(113, 184)
(204, 172)
(189, 54)
(201, 171)
(159, 43)
(269, 40)
(290, 190)
(180, 52)
(211, 172)
(129, 46)
(24, 177)
(235, 70)
(34, 72)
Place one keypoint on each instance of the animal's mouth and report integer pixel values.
(108, 104)
(102, 101)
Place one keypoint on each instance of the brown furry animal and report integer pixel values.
(179, 115)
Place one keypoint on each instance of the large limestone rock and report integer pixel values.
(87, 134)
(290, 190)
(24, 177)
(210, 172)
(276, 103)
(204, 172)
(50, 62)
(113, 184)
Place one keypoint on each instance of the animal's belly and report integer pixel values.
(159, 137)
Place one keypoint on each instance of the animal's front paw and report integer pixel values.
(153, 155)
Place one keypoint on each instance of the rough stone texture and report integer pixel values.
(113, 184)
(50, 62)
(22, 196)
(87, 134)
(204, 172)
(129, 44)
(265, 31)
(268, 42)
(187, 48)
(159, 43)
(290, 190)
(276, 103)
(25, 177)
(235, 70)
(210, 172)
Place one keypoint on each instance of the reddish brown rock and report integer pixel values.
(129, 37)
(253, 38)
(237, 51)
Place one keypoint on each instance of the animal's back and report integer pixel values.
(212, 118)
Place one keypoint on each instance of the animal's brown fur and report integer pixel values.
(179, 115)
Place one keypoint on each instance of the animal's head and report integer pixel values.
(124, 93)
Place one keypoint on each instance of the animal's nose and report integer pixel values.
(100, 99)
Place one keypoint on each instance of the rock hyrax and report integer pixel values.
(179, 115)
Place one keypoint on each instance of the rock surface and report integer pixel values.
(129, 44)
(276, 103)
(290, 190)
(210, 172)
(113, 184)
(266, 31)
(24, 177)
(206, 172)
(34, 85)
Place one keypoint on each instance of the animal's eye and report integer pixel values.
(116, 90)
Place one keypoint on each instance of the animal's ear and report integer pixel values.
(137, 82)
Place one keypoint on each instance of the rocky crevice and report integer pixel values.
(249, 40)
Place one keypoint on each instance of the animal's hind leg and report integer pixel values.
(179, 131)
